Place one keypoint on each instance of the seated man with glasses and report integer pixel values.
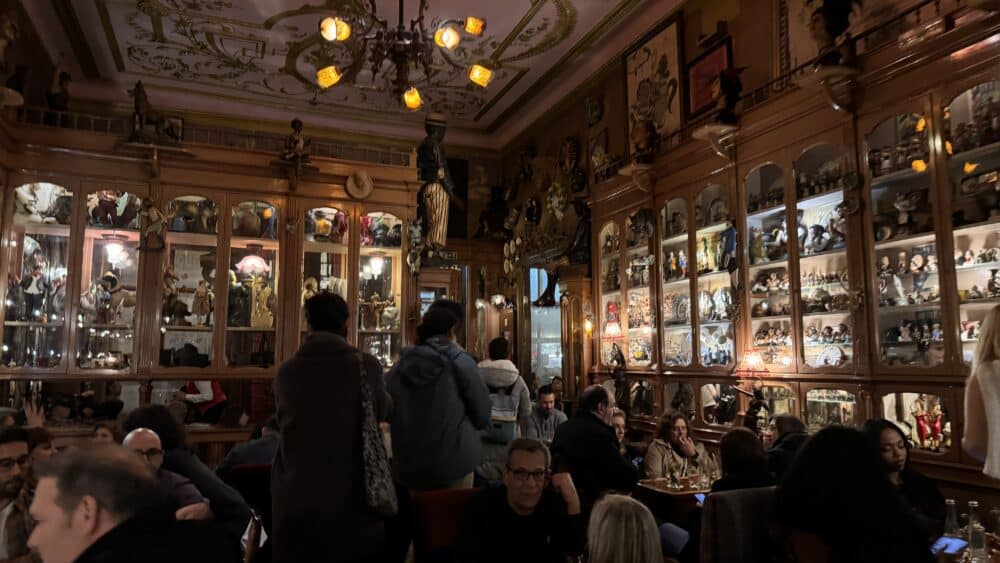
(15, 523)
(188, 501)
(533, 516)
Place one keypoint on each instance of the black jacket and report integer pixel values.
(926, 500)
(588, 448)
(255, 452)
(783, 451)
(228, 506)
(490, 532)
(162, 540)
(753, 478)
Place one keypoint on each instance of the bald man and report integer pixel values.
(188, 500)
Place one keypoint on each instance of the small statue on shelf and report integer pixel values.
(296, 148)
(155, 220)
(203, 303)
(727, 256)
(682, 263)
(905, 205)
(837, 227)
(437, 190)
(993, 285)
(902, 263)
(262, 316)
(310, 288)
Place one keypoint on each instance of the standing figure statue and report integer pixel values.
(296, 151)
(437, 189)
(153, 233)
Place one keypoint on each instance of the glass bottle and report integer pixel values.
(994, 521)
(977, 534)
(951, 519)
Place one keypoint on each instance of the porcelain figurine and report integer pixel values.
(437, 189)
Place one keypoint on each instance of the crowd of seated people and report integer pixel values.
(517, 479)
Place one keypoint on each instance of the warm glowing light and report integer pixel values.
(480, 75)
(588, 325)
(447, 37)
(919, 165)
(334, 29)
(115, 251)
(411, 98)
(474, 25)
(921, 125)
(377, 262)
(754, 361)
(252, 265)
(947, 147)
(328, 76)
(970, 167)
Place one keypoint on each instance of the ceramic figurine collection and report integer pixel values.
(912, 152)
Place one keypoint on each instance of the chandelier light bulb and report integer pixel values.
(334, 29)
(480, 75)
(328, 76)
(447, 37)
(411, 98)
(474, 25)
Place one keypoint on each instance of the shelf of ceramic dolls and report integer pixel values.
(712, 275)
(676, 282)
(328, 247)
(919, 238)
(974, 267)
(247, 329)
(904, 175)
(824, 254)
(825, 286)
(771, 318)
(713, 228)
(985, 302)
(826, 314)
(178, 328)
(890, 309)
(760, 214)
(244, 242)
(957, 161)
(818, 200)
(675, 239)
(42, 229)
(772, 264)
(56, 324)
(984, 226)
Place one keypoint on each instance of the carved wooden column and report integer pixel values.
(575, 285)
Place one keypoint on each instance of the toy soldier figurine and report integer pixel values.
(437, 189)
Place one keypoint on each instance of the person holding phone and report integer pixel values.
(533, 516)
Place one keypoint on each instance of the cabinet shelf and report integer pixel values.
(882, 181)
(771, 318)
(704, 324)
(378, 331)
(981, 226)
(677, 282)
(710, 229)
(674, 239)
(772, 264)
(916, 239)
(33, 324)
(177, 328)
(819, 200)
(975, 267)
(760, 214)
(824, 254)
(957, 161)
(712, 275)
(891, 309)
(826, 314)
(247, 329)
(985, 302)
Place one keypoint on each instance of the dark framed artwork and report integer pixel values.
(703, 72)
(654, 79)
(597, 154)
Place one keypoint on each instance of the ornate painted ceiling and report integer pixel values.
(231, 54)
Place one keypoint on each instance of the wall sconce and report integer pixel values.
(588, 319)
(499, 301)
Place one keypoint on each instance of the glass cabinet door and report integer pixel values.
(770, 282)
(105, 324)
(830, 406)
(187, 308)
(676, 296)
(380, 286)
(908, 318)
(923, 416)
(641, 266)
(324, 254)
(36, 303)
(715, 260)
(252, 287)
(972, 143)
(612, 334)
(822, 234)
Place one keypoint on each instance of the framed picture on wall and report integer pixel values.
(703, 72)
(654, 79)
(597, 154)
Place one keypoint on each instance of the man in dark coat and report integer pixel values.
(587, 447)
(102, 504)
(317, 484)
(788, 433)
(260, 451)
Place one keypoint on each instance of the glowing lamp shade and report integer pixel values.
(474, 25)
(970, 167)
(921, 125)
(334, 29)
(919, 165)
(115, 251)
(328, 76)
(411, 98)
(588, 325)
(377, 262)
(252, 265)
(447, 37)
(948, 148)
(480, 75)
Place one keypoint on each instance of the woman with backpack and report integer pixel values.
(440, 405)
(511, 408)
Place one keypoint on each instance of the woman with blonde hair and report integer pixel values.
(982, 398)
(622, 530)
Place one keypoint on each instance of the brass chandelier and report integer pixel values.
(403, 47)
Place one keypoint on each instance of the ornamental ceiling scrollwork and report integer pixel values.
(267, 51)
